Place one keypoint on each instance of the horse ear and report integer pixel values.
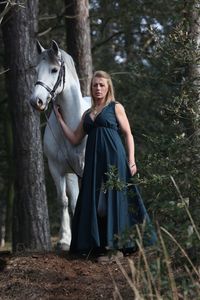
(55, 47)
(40, 49)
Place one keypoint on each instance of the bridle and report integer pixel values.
(52, 92)
(60, 80)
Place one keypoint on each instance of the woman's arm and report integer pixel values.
(126, 130)
(75, 137)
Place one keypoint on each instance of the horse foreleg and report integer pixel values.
(68, 201)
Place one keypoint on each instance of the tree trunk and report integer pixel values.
(9, 178)
(2, 220)
(78, 40)
(30, 216)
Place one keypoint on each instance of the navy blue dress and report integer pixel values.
(120, 208)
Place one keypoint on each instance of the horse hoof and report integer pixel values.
(62, 247)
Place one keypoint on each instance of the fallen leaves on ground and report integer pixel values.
(61, 276)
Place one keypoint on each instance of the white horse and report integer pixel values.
(57, 81)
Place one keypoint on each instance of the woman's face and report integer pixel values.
(99, 88)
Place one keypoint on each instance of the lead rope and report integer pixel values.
(67, 160)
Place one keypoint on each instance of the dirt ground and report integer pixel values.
(60, 276)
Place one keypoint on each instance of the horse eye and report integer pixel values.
(54, 70)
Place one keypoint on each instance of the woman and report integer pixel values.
(104, 214)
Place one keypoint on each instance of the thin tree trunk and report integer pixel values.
(78, 40)
(2, 220)
(30, 216)
(9, 180)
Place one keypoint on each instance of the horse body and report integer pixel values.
(65, 161)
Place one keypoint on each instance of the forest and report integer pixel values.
(151, 50)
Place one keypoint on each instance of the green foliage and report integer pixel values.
(113, 181)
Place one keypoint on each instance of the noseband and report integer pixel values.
(60, 79)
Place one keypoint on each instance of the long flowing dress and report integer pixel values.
(121, 209)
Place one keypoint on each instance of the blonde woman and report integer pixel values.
(103, 216)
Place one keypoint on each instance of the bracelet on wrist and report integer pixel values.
(132, 165)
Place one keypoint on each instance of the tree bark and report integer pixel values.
(9, 181)
(79, 41)
(30, 216)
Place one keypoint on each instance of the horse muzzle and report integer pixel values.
(39, 104)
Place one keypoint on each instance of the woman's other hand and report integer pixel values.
(133, 169)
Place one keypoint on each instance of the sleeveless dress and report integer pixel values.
(121, 208)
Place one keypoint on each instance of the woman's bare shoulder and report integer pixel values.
(118, 106)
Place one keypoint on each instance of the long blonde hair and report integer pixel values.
(110, 94)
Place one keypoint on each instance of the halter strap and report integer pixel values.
(44, 85)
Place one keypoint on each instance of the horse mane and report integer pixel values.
(70, 65)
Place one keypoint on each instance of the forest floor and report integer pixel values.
(60, 276)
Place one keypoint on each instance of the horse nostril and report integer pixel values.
(39, 102)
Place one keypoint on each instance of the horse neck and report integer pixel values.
(70, 102)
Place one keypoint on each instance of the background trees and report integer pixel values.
(151, 50)
(78, 40)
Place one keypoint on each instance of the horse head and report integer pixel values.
(50, 76)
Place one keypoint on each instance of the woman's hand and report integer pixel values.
(133, 168)
(74, 136)
(58, 112)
